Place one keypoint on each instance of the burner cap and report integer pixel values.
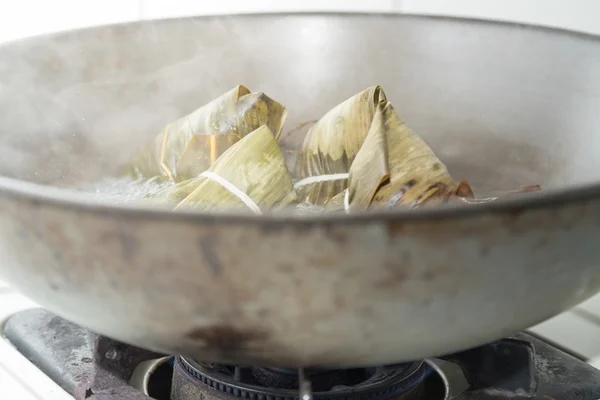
(217, 381)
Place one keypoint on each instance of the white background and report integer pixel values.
(31, 17)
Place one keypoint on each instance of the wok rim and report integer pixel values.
(86, 202)
(72, 199)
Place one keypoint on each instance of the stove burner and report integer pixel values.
(321, 380)
(93, 367)
(400, 381)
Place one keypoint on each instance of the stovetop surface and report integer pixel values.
(88, 366)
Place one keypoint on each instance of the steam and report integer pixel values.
(75, 105)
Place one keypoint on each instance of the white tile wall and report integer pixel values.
(20, 379)
(161, 8)
(592, 306)
(577, 330)
(32, 17)
(583, 15)
(595, 362)
(573, 332)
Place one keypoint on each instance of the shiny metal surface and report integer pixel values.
(502, 105)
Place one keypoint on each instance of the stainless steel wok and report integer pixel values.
(503, 105)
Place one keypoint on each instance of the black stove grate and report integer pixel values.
(253, 383)
(93, 367)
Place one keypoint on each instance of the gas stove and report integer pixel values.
(89, 366)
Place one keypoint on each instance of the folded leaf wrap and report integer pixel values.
(192, 143)
(332, 143)
(395, 167)
(254, 165)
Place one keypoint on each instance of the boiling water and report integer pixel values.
(124, 189)
(127, 190)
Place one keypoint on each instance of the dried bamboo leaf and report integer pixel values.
(332, 143)
(416, 175)
(479, 200)
(237, 112)
(201, 152)
(464, 190)
(254, 166)
(370, 168)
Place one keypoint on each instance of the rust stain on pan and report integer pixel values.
(395, 277)
(208, 246)
(226, 337)
(126, 241)
(337, 234)
(222, 342)
(395, 229)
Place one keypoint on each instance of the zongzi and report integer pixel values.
(191, 144)
(359, 156)
(250, 174)
(332, 143)
(414, 174)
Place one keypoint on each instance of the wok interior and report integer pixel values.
(501, 105)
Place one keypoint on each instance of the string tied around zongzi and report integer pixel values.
(347, 201)
(320, 178)
(251, 204)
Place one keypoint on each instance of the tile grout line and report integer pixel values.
(587, 315)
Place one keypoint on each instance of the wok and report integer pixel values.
(503, 105)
